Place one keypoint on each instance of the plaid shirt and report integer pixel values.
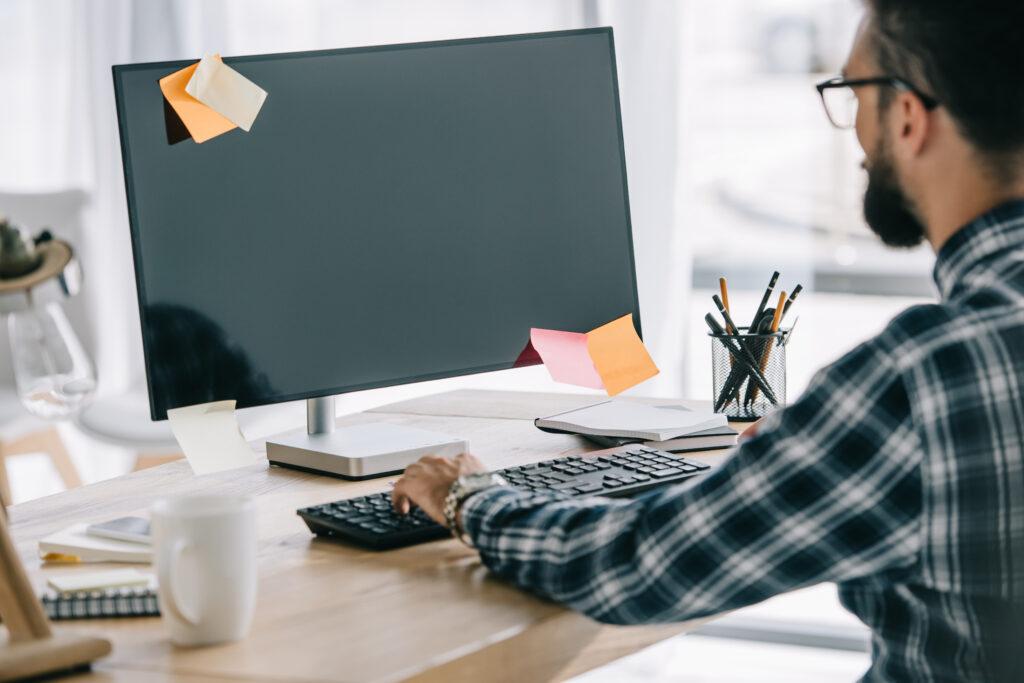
(899, 475)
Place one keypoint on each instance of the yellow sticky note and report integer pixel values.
(226, 91)
(611, 357)
(209, 437)
(202, 122)
(619, 356)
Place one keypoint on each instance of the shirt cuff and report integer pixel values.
(475, 509)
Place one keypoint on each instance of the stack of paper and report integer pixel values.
(75, 545)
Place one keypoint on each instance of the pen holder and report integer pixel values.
(748, 373)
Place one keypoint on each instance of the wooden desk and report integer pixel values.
(331, 612)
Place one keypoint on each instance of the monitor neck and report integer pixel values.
(320, 415)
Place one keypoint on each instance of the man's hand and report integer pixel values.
(426, 483)
(751, 431)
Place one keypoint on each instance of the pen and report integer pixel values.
(792, 298)
(764, 300)
(751, 389)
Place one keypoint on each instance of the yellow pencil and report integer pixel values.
(725, 293)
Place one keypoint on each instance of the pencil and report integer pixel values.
(725, 292)
(730, 326)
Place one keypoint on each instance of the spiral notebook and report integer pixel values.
(108, 603)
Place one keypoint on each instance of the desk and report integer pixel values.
(328, 611)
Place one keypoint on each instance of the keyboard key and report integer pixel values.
(612, 483)
(567, 485)
(667, 472)
(589, 488)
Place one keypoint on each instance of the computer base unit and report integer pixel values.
(361, 451)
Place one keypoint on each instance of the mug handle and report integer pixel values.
(176, 606)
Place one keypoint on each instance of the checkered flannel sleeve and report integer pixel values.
(830, 490)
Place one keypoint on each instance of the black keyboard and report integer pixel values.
(372, 521)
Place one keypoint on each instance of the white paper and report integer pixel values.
(664, 422)
(226, 91)
(209, 437)
(112, 578)
(75, 541)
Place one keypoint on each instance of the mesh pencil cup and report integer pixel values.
(748, 373)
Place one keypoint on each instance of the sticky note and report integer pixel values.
(621, 358)
(202, 122)
(611, 357)
(113, 578)
(566, 357)
(209, 437)
(226, 91)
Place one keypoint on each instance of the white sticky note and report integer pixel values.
(209, 437)
(226, 91)
(113, 578)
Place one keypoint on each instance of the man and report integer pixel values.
(899, 474)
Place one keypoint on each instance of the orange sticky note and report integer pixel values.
(619, 355)
(611, 357)
(202, 122)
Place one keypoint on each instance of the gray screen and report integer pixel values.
(395, 214)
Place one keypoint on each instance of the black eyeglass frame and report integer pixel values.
(928, 101)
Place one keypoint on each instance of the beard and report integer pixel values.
(887, 210)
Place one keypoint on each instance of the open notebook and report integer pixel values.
(625, 419)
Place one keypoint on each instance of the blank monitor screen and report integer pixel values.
(395, 214)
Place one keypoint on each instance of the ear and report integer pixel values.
(910, 126)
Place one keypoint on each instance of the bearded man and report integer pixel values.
(899, 474)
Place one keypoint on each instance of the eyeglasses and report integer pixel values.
(840, 99)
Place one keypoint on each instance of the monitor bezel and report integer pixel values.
(120, 69)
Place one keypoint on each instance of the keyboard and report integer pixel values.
(371, 521)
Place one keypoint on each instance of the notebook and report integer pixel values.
(633, 420)
(103, 604)
(707, 440)
(76, 543)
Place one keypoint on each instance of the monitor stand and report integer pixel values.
(359, 451)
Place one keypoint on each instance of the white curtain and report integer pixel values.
(58, 126)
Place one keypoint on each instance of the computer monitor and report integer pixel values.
(396, 213)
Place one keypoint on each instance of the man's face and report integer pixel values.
(887, 210)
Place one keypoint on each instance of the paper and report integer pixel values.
(202, 122)
(620, 356)
(611, 357)
(209, 437)
(75, 541)
(113, 578)
(226, 91)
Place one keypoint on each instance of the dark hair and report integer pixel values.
(967, 54)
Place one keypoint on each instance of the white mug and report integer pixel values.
(206, 566)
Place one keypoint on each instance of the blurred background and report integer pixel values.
(733, 171)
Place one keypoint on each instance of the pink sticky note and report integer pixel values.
(611, 357)
(567, 357)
